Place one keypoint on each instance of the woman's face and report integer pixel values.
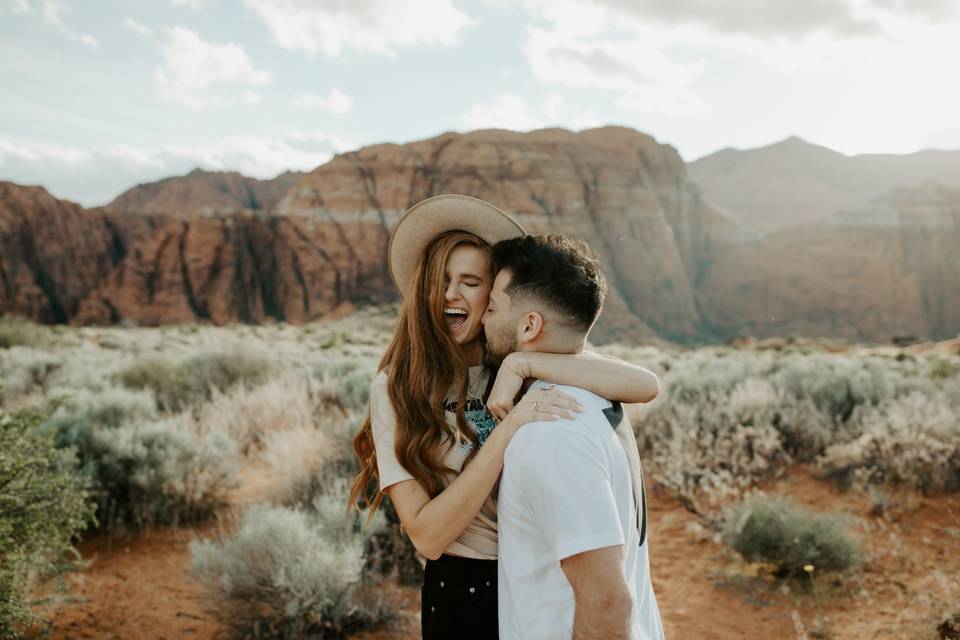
(467, 281)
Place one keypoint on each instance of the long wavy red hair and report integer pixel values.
(422, 362)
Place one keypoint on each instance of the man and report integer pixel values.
(573, 552)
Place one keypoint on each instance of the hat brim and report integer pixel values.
(427, 219)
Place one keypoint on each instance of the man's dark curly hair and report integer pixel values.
(556, 270)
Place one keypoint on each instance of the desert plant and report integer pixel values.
(291, 573)
(773, 530)
(161, 472)
(17, 331)
(913, 440)
(179, 384)
(251, 415)
(44, 505)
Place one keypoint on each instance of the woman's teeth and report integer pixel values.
(455, 317)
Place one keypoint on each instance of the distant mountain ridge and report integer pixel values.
(205, 193)
(221, 247)
(795, 182)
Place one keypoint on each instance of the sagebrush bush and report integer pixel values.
(16, 331)
(179, 384)
(294, 573)
(162, 472)
(775, 531)
(912, 440)
(44, 505)
(23, 369)
(250, 415)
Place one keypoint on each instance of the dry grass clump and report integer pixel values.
(292, 573)
(180, 384)
(791, 538)
(17, 331)
(911, 441)
(728, 420)
(251, 414)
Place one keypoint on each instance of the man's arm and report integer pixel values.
(603, 602)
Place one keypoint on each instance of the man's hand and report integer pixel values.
(603, 602)
(513, 371)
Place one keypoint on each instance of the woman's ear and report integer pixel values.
(531, 326)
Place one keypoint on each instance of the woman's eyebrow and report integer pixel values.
(470, 275)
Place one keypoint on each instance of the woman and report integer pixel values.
(429, 441)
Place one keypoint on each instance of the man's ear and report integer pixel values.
(530, 327)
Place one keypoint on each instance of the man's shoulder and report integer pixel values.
(585, 396)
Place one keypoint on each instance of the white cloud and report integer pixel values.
(336, 102)
(642, 75)
(142, 29)
(372, 26)
(94, 176)
(53, 12)
(18, 6)
(252, 97)
(196, 5)
(191, 65)
(510, 111)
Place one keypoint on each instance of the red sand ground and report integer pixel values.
(139, 588)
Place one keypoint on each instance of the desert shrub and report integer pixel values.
(251, 414)
(82, 409)
(704, 449)
(44, 505)
(941, 368)
(162, 472)
(291, 573)
(773, 530)
(151, 472)
(180, 384)
(913, 440)
(23, 369)
(296, 458)
(17, 331)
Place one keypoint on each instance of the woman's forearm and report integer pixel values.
(442, 519)
(605, 376)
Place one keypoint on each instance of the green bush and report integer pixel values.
(16, 331)
(287, 573)
(44, 505)
(773, 530)
(178, 385)
(160, 472)
(913, 441)
(150, 472)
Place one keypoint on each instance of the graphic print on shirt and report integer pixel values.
(475, 412)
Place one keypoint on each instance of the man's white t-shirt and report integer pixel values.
(566, 489)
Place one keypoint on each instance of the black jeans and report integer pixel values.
(459, 599)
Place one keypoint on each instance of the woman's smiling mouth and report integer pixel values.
(455, 317)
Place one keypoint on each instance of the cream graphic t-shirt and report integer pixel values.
(479, 540)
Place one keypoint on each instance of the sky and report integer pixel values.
(99, 95)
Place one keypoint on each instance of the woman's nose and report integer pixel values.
(452, 293)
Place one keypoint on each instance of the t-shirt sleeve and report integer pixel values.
(565, 481)
(383, 423)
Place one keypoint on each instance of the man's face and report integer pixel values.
(498, 322)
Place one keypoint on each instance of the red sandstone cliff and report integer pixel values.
(677, 269)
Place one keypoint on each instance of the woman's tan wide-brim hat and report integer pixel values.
(429, 218)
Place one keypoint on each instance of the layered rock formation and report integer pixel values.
(205, 193)
(891, 268)
(211, 247)
(619, 189)
(794, 182)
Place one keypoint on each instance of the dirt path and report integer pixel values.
(139, 588)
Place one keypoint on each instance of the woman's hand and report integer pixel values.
(540, 405)
(510, 377)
